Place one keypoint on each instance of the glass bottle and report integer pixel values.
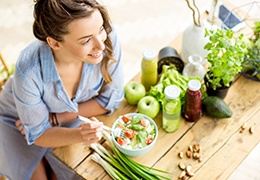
(171, 109)
(149, 73)
(193, 101)
(194, 67)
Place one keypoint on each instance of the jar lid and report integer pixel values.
(149, 54)
(194, 85)
(172, 92)
(195, 58)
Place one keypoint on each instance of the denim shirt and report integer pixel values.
(36, 89)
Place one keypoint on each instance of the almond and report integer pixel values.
(196, 148)
(182, 166)
(190, 148)
(244, 126)
(189, 154)
(196, 155)
(188, 168)
(180, 154)
(251, 130)
(190, 174)
(183, 173)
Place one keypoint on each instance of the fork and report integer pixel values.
(117, 131)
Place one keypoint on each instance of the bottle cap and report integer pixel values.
(172, 92)
(149, 54)
(195, 58)
(194, 85)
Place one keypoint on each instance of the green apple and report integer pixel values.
(134, 91)
(149, 106)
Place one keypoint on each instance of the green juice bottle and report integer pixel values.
(171, 109)
(149, 72)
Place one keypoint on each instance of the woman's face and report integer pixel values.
(85, 41)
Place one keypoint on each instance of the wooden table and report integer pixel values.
(224, 147)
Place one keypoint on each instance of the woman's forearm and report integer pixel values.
(91, 108)
(62, 136)
(59, 136)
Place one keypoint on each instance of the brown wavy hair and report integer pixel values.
(51, 18)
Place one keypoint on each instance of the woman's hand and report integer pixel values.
(92, 132)
(18, 124)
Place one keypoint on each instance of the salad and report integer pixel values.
(136, 132)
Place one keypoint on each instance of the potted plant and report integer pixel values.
(225, 56)
(251, 64)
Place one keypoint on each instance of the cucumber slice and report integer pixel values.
(170, 107)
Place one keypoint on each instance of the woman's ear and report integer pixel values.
(54, 44)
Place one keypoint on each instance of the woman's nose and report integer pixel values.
(99, 43)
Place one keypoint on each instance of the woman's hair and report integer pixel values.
(52, 17)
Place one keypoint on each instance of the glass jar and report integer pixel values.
(193, 101)
(171, 109)
(194, 67)
(149, 73)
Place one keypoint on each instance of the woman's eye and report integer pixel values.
(102, 29)
(85, 42)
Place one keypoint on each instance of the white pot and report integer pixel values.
(193, 42)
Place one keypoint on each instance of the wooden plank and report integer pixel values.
(89, 169)
(72, 155)
(221, 141)
(223, 163)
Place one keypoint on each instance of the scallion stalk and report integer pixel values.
(109, 158)
(108, 168)
(120, 166)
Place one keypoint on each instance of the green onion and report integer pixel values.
(114, 173)
(120, 166)
(105, 154)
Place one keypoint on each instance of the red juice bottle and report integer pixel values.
(193, 101)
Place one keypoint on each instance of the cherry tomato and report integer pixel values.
(149, 140)
(126, 119)
(129, 133)
(143, 122)
(120, 141)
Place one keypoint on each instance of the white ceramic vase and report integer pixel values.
(193, 42)
(213, 13)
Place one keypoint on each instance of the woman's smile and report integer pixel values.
(96, 55)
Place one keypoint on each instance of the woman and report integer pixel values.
(69, 71)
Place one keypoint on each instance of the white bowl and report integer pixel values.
(137, 151)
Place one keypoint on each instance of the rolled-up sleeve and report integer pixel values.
(113, 93)
(31, 109)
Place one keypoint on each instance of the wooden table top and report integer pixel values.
(224, 147)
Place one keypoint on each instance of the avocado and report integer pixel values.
(216, 107)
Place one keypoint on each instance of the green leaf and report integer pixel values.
(142, 135)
